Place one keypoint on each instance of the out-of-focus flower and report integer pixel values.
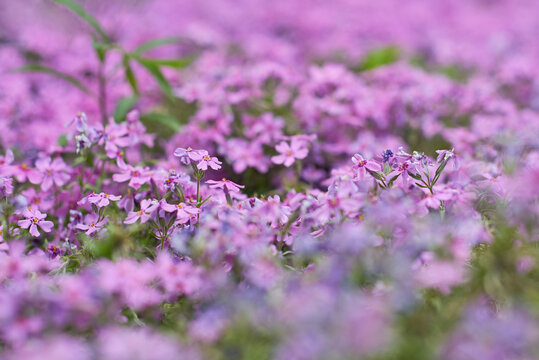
(51, 172)
(288, 153)
(225, 184)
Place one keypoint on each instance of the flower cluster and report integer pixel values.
(327, 180)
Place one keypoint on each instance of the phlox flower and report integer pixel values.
(40, 200)
(6, 168)
(183, 211)
(33, 219)
(148, 209)
(91, 224)
(136, 175)
(23, 172)
(115, 137)
(80, 120)
(6, 186)
(288, 153)
(242, 154)
(102, 199)
(224, 184)
(210, 161)
(402, 168)
(188, 154)
(432, 201)
(361, 166)
(448, 155)
(51, 172)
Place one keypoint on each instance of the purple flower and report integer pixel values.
(6, 186)
(148, 209)
(225, 184)
(188, 154)
(361, 166)
(33, 219)
(387, 155)
(448, 155)
(91, 224)
(102, 199)
(183, 211)
(288, 153)
(51, 172)
(137, 176)
(210, 161)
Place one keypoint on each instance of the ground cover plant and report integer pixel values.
(278, 179)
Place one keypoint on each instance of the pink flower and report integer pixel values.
(148, 208)
(23, 172)
(35, 218)
(40, 200)
(183, 211)
(402, 169)
(225, 184)
(51, 172)
(289, 153)
(188, 154)
(210, 161)
(448, 155)
(6, 186)
(102, 199)
(361, 166)
(137, 176)
(91, 224)
(115, 137)
(6, 168)
(432, 201)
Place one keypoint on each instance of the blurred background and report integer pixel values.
(491, 37)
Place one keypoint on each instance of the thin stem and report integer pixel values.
(6, 235)
(102, 91)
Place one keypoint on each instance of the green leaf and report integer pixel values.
(62, 140)
(122, 108)
(130, 76)
(100, 48)
(440, 169)
(393, 180)
(415, 176)
(173, 63)
(377, 175)
(60, 75)
(152, 44)
(161, 119)
(92, 21)
(154, 70)
(379, 57)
